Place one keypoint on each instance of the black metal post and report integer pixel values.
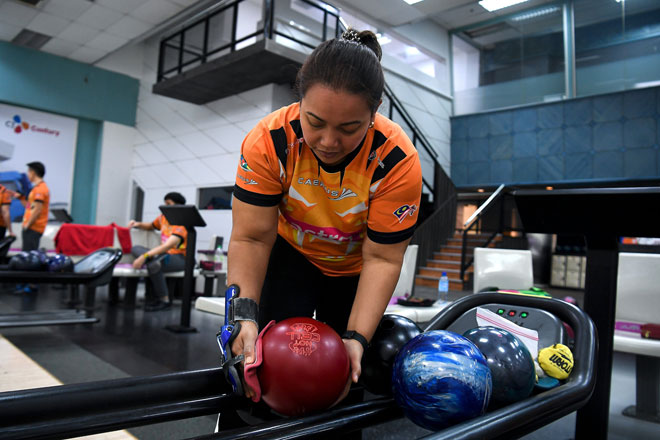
(188, 285)
(205, 44)
(161, 55)
(234, 25)
(325, 25)
(600, 305)
(269, 7)
(181, 42)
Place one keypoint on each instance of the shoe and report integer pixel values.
(157, 305)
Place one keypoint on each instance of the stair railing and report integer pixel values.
(473, 223)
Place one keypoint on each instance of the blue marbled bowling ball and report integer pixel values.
(440, 378)
(510, 363)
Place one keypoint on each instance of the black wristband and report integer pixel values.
(352, 334)
(243, 309)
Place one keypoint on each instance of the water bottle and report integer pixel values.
(218, 258)
(443, 287)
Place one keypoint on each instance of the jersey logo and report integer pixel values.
(247, 181)
(244, 165)
(373, 156)
(345, 193)
(304, 338)
(331, 193)
(404, 211)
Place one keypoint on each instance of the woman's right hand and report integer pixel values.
(132, 224)
(245, 344)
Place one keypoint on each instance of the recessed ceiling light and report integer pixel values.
(480, 190)
(549, 188)
(412, 2)
(536, 13)
(494, 5)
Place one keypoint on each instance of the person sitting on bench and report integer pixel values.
(169, 256)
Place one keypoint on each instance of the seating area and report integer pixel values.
(638, 302)
(124, 275)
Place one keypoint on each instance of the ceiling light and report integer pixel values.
(412, 2)
(549, 188)
(412, 51)
(534, 14)
(480, 190)
(494, 5)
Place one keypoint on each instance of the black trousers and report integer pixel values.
(30, 240)
(294, 287)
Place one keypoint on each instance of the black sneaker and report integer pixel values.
(157, 305)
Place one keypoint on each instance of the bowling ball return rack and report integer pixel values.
(92, 271)
(81, 409)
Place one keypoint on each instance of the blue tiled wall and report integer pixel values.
(611, 136)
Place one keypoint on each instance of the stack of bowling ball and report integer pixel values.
(440, 378)
(39, 261)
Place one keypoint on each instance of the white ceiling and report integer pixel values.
(450, 14)
(83, 30)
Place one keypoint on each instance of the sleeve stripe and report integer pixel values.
(255, 198)
(394, 157)
(390, 237)
(280, 142)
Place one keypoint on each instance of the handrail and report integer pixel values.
(484, 205)
(473, 220)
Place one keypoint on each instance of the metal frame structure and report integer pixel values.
(93, 407)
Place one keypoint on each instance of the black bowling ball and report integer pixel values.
(392, 333)
(510, 363)
(39, 259)
(19, 261)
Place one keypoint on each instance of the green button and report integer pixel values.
(500, 311)
(523, 315)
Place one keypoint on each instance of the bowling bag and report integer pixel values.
(250, 371)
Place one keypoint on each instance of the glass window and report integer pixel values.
(218, 197)
(616, 45)
(514, 61)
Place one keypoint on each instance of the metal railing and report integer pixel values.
(473, 223)
(191, 44)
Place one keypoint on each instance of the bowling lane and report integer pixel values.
(19, 372)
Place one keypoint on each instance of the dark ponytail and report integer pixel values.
(350, 63)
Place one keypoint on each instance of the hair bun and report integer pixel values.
(365, 38)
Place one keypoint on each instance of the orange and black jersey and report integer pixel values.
(326, 211)
(5, 200)
(167, 230)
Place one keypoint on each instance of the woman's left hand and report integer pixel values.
(355, 352)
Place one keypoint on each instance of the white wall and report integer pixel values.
(431, 37)
(178, 146)
(115, 174)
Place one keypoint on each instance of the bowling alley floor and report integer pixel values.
(129, 342)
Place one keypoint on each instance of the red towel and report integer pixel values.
(73, 239)
(124, 236)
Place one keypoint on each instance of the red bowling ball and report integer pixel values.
(305, 366)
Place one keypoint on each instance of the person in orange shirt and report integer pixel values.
(36, 207)
(5, 218)
(325, 203)
(169, 256)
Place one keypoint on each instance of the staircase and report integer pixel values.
(448, 259)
